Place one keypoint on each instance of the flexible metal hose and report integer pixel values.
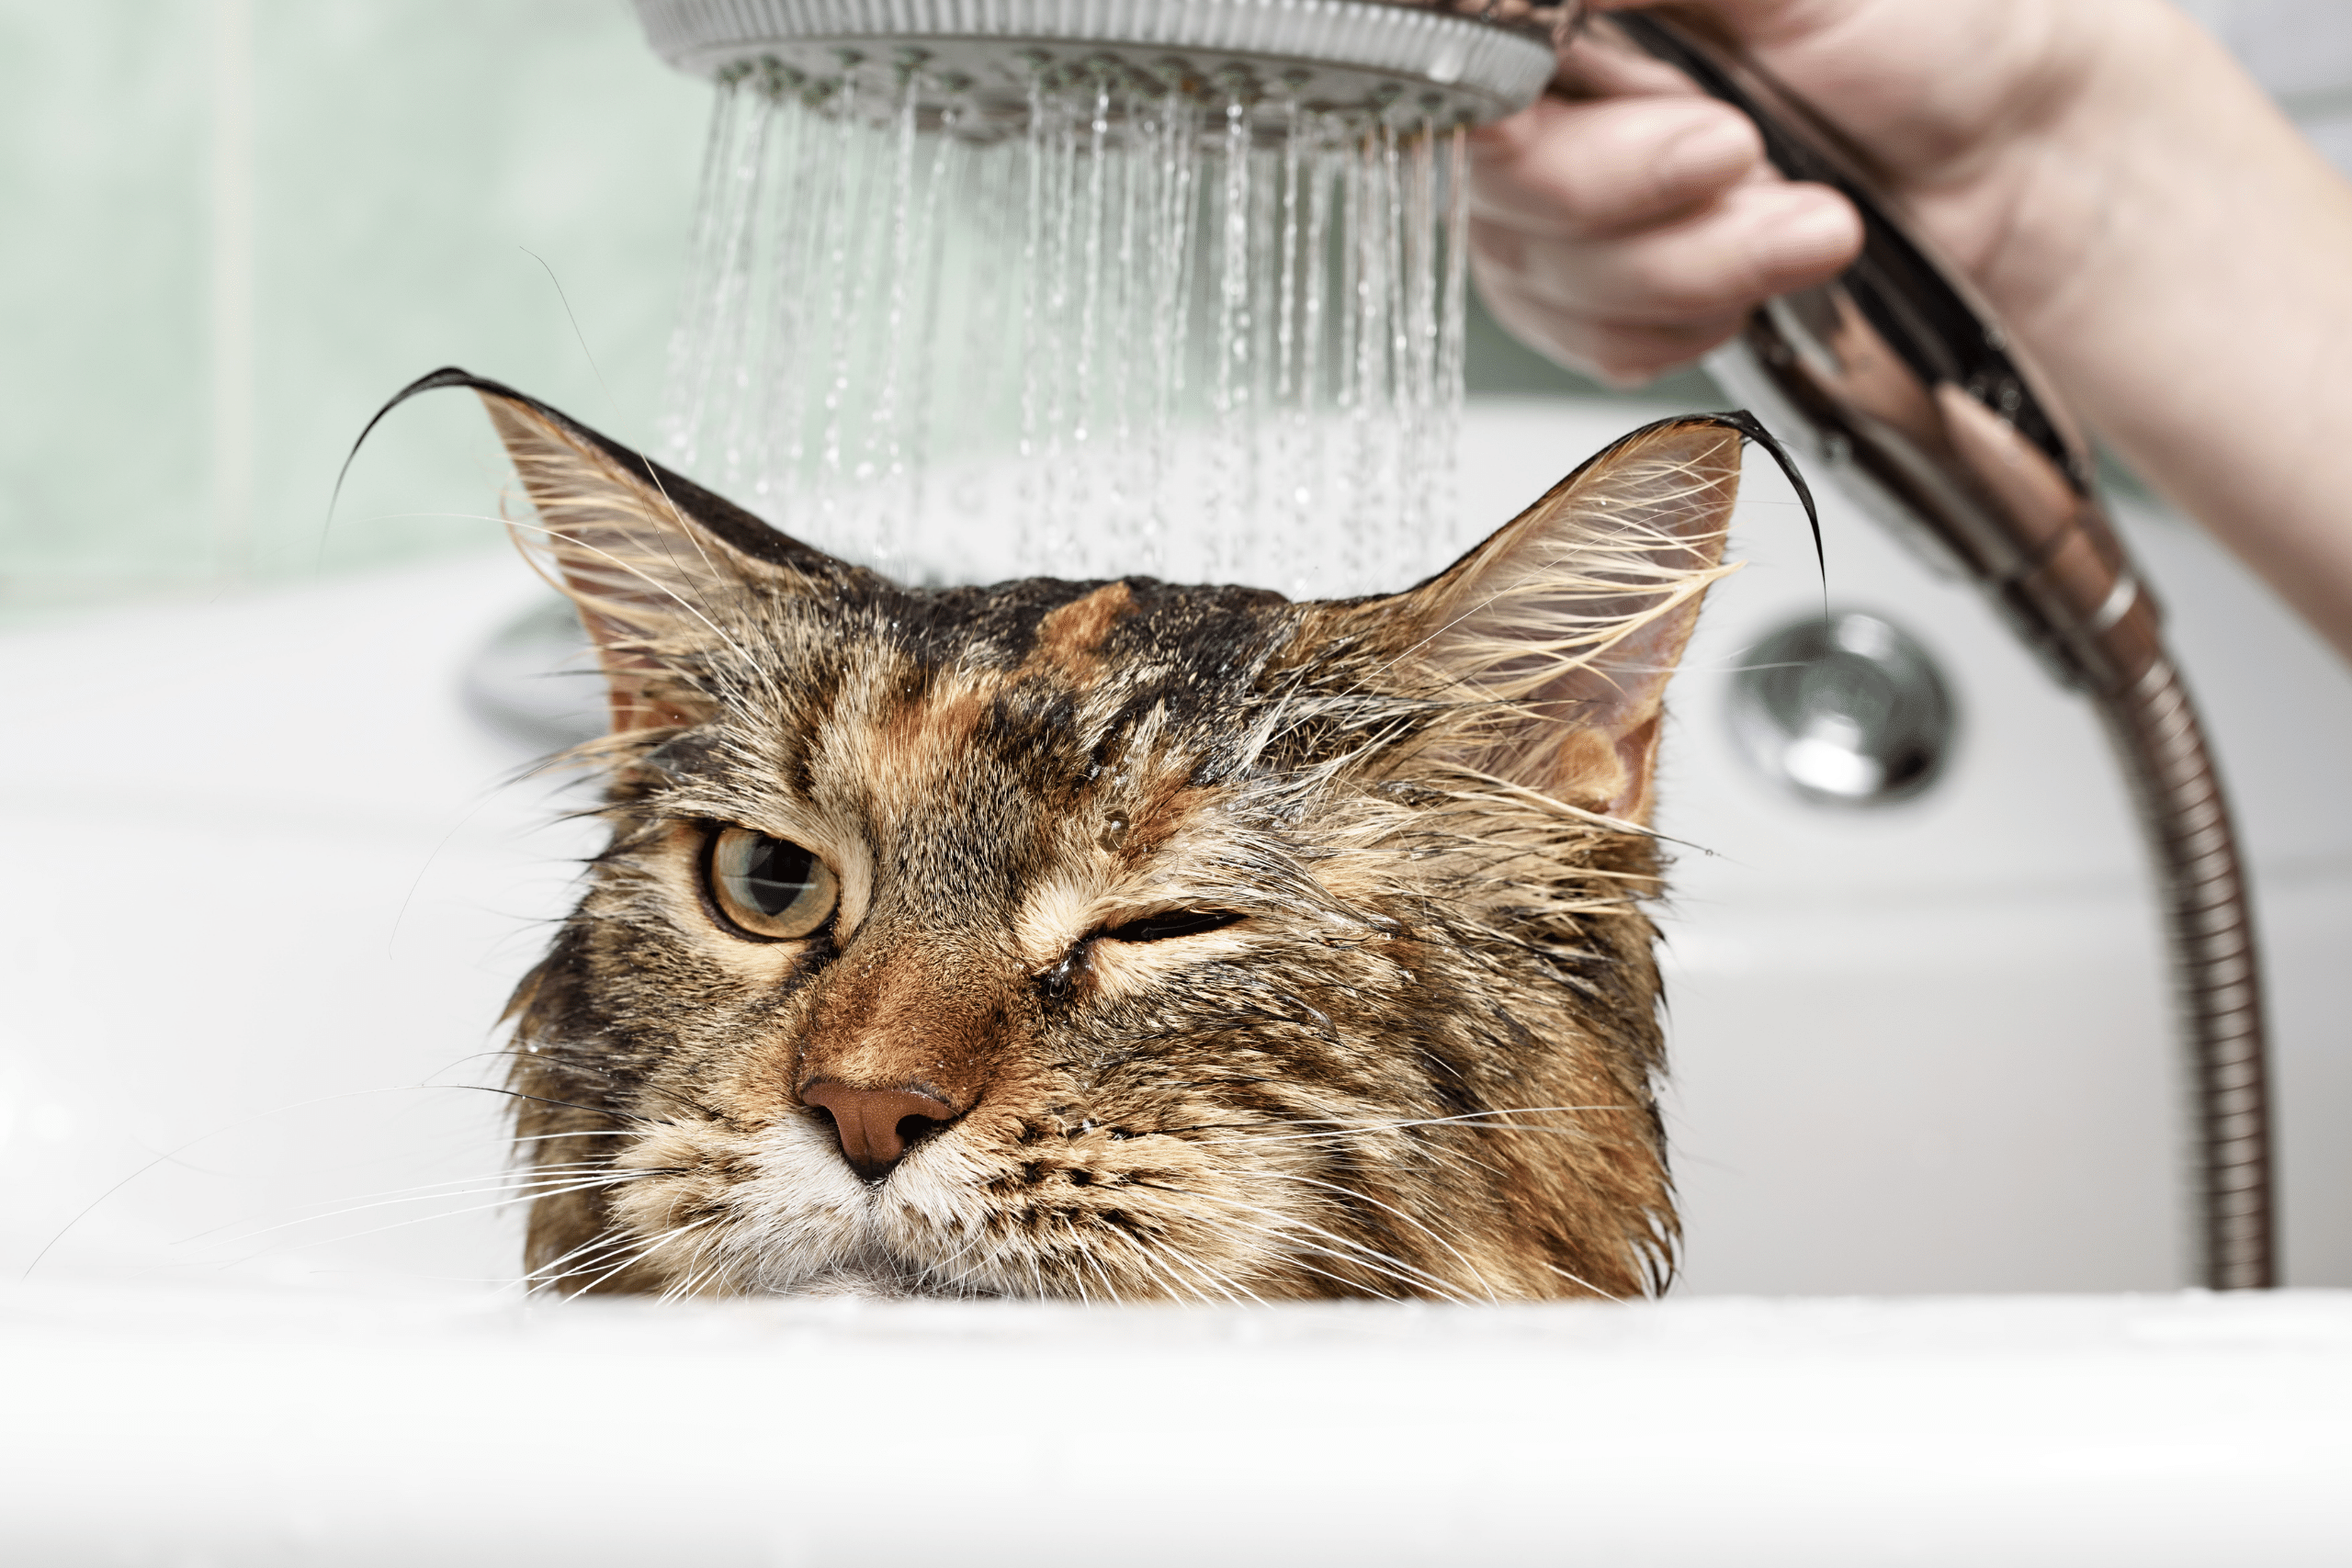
(2217, 989)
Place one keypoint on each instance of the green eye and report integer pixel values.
(769, 889)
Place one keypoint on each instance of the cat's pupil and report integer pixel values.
(777, 874)
(766, 888)
(1173, 922)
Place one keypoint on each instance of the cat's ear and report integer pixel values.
(618, 541)
(1564, 627)
(658, 566)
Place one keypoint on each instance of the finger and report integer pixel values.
(1618, 356)
(1748, 18)
(1587, 169)
(1761, 240)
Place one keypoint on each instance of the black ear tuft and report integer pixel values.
(661, 571)
(709, 510)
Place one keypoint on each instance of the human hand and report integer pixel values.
(1629, 230)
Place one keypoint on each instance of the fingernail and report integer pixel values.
(1713, 149)
(1804, 227)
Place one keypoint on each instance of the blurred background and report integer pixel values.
(234, 227)
(272, 871)
(237, 226)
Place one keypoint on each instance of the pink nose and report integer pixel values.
(872, 1123)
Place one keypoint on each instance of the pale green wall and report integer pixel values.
(400, 154)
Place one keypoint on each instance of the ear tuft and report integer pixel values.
(659, 568)
(657, 565)
(650, 585)
(1569, 621)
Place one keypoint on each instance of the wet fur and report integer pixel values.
(1422, 1064)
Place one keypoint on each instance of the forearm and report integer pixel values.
(2179, 261)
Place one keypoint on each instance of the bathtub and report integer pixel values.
(272, 882)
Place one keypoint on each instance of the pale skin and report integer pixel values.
(2166, 247)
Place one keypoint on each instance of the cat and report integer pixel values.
(1110, 941)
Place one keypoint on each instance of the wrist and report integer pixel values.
(2095, 204)
(2178, 260)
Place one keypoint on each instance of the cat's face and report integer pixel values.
(1111, 940)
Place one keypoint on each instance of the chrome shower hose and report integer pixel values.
(2216, 979)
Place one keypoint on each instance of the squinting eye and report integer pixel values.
(1172, 922)
(770, 889)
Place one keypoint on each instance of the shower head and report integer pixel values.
(1443, 61)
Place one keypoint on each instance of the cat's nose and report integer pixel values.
(874, 1124)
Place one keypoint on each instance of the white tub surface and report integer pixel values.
(181, 1426)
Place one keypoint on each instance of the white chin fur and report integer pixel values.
(863, 1284)
(818, 1231)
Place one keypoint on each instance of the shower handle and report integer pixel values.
(1906, 390)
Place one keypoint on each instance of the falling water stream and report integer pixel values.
(1142, 324)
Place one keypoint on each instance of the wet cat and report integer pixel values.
(1110, 941)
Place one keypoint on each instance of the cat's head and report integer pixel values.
(1111, 940)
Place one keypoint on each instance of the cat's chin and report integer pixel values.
(859, 1283)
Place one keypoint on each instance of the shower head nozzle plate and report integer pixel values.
(1421, 61)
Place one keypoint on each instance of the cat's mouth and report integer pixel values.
(871, 1283)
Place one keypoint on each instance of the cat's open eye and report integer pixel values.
(765, 888)
(1171, 922)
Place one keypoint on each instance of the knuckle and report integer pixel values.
(1626, 359)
